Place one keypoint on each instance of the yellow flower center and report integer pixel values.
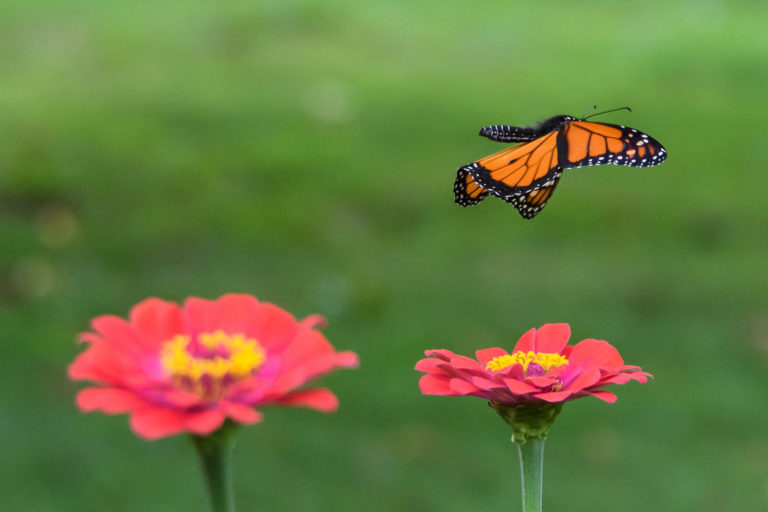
(547, 361)
(214, 360)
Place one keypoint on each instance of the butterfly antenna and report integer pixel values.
(605, 112)
(583, 116)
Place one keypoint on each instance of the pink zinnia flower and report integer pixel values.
(187, 369)
(541, 369)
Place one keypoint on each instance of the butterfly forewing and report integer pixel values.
(588, 143)
(518, 169)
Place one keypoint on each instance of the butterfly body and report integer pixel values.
(527, 174)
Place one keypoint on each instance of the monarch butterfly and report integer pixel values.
(526, 175)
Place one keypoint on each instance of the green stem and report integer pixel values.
(532, 473)
(214, 451)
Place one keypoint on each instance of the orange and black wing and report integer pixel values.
(517, 170)
(530, 204)
(582, 143)
(465, 191)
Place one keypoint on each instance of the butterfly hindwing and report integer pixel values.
(465, 191)
(531, 203)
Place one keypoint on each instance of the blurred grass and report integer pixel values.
(304, 152)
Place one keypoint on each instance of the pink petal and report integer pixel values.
(108, 400)
(240, 413)
(104, 363)
(519, 388)
(435, 385)
(235, 313)
(541, 382)
(605, 396)
(275, 327)
(552, 338)
(462, 363)
(592, 353)
(428, 365)
(462, 387)
(156, 321)
(117, 333)
(319, 399)
(488, 354)
(553, 396)
(485, 384)
(346, 359)
(583, 380)
(156, 422)
(204, 422)
(313, 321)
(526, 343)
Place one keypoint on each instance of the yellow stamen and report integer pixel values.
(221, 359)
(547, 361)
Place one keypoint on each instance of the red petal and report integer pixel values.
(319, 399)
(235, 313)
(487, 354)
(554, 396)
(526, 343)
(584, 380)
(519, 388)
(486, 384)
(465, 364)
(552, 338)
(605, 396)
(462, 387)
(240, 413)
(440, 353)
(156, 422)
(429, 365)
(204, 422)
(156, 321)
(435, 385)
(595, 354)
(108, 400)
(275, 327)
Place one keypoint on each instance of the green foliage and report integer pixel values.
(305, 152)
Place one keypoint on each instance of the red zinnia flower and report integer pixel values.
(541, 369)
(187, 369)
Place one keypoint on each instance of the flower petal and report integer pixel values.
(435, 385)
(488, 354)
(526, 343)
(552, 338)
(156, 321)
(519, 388)
(156, 422)
(108, 400)
(462, 387)
(241, 413)
(605, 396)
(593, 353)
(319, 399)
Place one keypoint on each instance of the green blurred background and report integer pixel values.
(305, 152)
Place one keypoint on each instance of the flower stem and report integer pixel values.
(532, 473)
(214, 451)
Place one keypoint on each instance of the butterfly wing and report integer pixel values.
(530, 204)
(519, 169)
(465, 191)
(584, 143)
